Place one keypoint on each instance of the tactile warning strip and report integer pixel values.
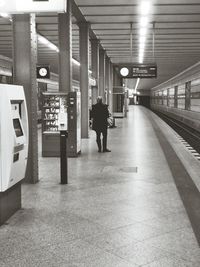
(189, 147)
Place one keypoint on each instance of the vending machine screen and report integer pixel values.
(17, 127)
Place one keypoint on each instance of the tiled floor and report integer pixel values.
(120, 209)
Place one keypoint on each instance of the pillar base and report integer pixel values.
(10, 202)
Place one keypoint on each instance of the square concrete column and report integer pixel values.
(102, 85)
(107, 77)
(117, 80)
(95, 67)
(188, 95)
(24, 73)
(111, 87)
(65, 49)
(84, 77)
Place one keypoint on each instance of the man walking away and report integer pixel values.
(99, 115)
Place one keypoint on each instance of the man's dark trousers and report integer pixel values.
(104, 133)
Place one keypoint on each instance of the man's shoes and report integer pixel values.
(106, 150)
(99, 150)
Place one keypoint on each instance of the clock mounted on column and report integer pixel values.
(43, 72)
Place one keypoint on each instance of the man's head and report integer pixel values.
(99, 99)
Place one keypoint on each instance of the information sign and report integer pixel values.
(137, 70)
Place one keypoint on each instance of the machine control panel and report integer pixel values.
(71, 101)
(13, 135)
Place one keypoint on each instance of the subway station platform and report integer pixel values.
(120, 209)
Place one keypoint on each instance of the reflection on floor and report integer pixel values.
(120, 209)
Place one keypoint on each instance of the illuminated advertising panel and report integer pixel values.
(32, 6)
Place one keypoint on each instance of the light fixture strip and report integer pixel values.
(131, 41)
(52, 46)
(145, 8)
(136, 86)
(44, 40)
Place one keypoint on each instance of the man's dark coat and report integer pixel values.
(100, 114)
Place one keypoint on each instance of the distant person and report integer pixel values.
(100, 115)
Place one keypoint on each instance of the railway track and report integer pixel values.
(188, 136)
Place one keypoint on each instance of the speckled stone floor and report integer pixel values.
(120, 209)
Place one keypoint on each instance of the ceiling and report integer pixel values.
(176, 34)
(47, 26)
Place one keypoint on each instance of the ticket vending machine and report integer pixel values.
(13, 147)
(74, 124)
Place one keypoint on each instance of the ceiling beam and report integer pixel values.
(136, 5)
(80, 18)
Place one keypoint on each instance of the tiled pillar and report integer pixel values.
(65, 49)
(102, 55)
(84, 77)
(24, 73)
(95, 68)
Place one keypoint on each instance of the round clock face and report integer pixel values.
(124, 72)
(43, 72)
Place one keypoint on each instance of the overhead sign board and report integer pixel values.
(137, 70)
(32, 6)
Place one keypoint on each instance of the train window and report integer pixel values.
(171, 97)
(165, 97)
(195, 95)
(181, 96)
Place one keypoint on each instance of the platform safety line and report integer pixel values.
(189, 147)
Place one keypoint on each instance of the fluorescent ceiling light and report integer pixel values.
(76, 62)
(141, 48)
(4, 15)
(45, 41)
(141, 57)
(42, 39)
(137, 83)
(143, 31)
(145, 8)
(142, 40)
(144, 11)
(2, 3)
(141, 52)
(144, 22)
(52, 46)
